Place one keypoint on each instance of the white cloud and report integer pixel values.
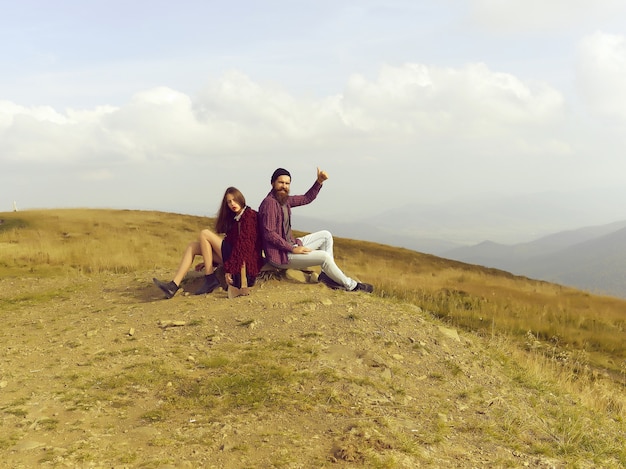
(602, 71)
(405, 105)
(267, 115)
(10, 111)
(44, 135)
(156, 124)
(478, 95)
(472, 108)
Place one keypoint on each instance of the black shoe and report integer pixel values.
(329, 282)
(169, 288)
(364, 287)
(210, 283)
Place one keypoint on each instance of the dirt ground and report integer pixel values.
(367, 382)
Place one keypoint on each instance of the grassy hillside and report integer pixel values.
(447, 365)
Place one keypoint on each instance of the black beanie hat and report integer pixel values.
(280, 172)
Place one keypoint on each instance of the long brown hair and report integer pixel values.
(225, 216)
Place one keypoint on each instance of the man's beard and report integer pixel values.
(282, 196)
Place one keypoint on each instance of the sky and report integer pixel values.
(161, 105)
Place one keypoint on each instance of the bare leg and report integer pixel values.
(170, 288)
(210, 247)
(192, 250)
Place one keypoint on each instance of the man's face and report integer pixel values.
(281, 188)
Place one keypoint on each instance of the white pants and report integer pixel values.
(321, 245)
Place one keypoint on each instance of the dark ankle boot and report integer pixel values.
(210, 284)
(169, 288)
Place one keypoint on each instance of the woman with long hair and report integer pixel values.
(239, 247)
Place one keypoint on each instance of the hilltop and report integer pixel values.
(98, 370)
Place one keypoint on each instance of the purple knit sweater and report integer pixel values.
(275, 242)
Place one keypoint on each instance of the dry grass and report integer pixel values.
(565, 339)
(565, 320)
(48, 241)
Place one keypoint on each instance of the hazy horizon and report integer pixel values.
(159, 106)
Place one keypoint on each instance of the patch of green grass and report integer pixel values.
(246, 322)
(454, 368)
(161, 442)
(250, 386)
(6, 443)
(34, 299)
(218, 361)
(19, 402)
(127, 458)
(138, 374)
(260, 376)
(240, 447)
(305, 301)
(328, 375)
(433, 430)
(11, 223)
(18, 412)
(155, 415)
(122, 403)
(47, 458)
(74, 343)
(48, 424)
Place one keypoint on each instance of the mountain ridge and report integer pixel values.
(591, 258)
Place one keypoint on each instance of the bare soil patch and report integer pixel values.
(100, 371)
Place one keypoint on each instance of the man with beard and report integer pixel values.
(315, 249)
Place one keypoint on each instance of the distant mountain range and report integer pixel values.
(591, 258)
(438, 226)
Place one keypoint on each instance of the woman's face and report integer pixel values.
(232, 203)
